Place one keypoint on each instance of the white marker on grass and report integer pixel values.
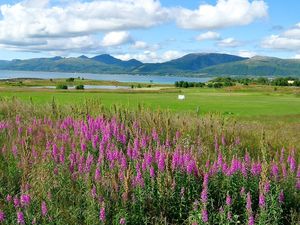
(181, 97)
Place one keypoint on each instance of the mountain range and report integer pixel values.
(195, 64)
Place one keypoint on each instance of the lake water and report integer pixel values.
(106, 77)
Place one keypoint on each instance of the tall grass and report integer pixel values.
(92, 165)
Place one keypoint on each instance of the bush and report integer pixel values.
(71, 79)
(218, 85)
(186, 84)
(62, 86)
(79, 87)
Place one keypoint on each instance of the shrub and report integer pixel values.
(79, 87)
(62, 86)
(71, 79)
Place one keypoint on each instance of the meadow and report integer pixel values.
(222, 156)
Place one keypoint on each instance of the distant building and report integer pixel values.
(291, 81)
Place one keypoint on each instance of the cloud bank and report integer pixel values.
(93, 26)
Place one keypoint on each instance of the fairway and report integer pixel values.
(243, 103)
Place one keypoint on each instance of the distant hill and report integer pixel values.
(196, 64)
(256, 66)
(109, 60)
(188, 63)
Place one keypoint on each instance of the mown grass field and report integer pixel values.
(251, 103)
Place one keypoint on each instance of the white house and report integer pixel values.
(291, 81)
(181, 97)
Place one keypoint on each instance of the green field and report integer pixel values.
(261, 103)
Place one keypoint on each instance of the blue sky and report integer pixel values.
(149, 30)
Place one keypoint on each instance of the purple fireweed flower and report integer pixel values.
(20, 218)
(25, 200)
(267, 187)
(102, 214)
(88, 163)
(97, 174)
(136, 148)
(228, 200)
(2, 216)
(251, 220)
(244, 169)
(16, 202)
(220, 160)
(144, 166)
(205, 179)
(256, 169)
(281, 197)
(225, 169)
(94, 192)
(204, 214)
(122, 221)
(292, 163)
(247, 159)
(175, 159)
(161, 162)
(154, 135)
(62, 155)
(242, 192)
(44, 209)
(83, 147)
(55, 171)
(152, 172)
(283, 169)
(204, 195)
(8, 198)
(274, 171)
(123, 162)
(262, 201)
(191, 167)
(214, 169)
(207, 164)
(249, 203)
(55, 152)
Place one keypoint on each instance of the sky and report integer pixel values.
(148, 30)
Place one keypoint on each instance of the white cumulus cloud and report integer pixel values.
(225, 13)
(210, 35)
(246, 54)
(151, 56)
(229, 43)
(297, 56)
(116, 38)
(35, 22)
(288, 40)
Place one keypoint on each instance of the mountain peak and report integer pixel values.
(110, 60)
(83, 57)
